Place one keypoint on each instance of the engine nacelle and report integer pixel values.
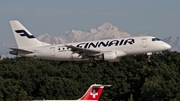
(110, 56)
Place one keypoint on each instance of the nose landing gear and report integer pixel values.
(92, 64)
(149, 56)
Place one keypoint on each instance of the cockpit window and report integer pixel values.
(156, 39)
(153, 39)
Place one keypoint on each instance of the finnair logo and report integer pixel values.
(107, 43)
(94, 93)
(24, 33)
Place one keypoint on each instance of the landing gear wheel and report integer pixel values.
(92, 64)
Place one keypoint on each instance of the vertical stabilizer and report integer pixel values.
(93, 93)
(23, 37)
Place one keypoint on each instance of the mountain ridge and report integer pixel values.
(105, 31)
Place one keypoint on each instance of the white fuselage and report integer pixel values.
(127, 46)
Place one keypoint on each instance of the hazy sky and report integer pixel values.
(160, 18)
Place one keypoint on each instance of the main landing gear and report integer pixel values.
(149, 56)
(92, 63)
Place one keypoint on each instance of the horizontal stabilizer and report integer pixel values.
(22, 50)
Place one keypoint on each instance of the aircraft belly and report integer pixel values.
(68, 56)
(63, 56)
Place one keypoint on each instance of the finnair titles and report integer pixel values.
(108, 43)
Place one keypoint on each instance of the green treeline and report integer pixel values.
(132, 79)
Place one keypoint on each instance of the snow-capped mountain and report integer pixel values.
(49, 39)
(105, 31)
(4, 48)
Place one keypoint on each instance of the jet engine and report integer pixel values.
(112, 56)
(108, 56)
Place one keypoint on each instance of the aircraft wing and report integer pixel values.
(23, 50)
(83, 52)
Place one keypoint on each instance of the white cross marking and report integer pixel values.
(94, 93)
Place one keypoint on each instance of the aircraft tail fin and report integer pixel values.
(23, 37)
(93, 93)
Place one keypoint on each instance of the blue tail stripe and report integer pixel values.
(24, 33)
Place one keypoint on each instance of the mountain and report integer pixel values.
(4, 48)
(49, 39)
(174, 42)
(105, 31)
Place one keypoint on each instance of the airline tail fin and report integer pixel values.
(23, 37)
(93, 93)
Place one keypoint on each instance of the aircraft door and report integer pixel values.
(144, 42)
(52, 49)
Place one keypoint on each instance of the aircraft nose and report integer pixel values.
(167, 46)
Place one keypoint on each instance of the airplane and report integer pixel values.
(92, 94)
(110, 50)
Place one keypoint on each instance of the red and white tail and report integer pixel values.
(93, 93)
